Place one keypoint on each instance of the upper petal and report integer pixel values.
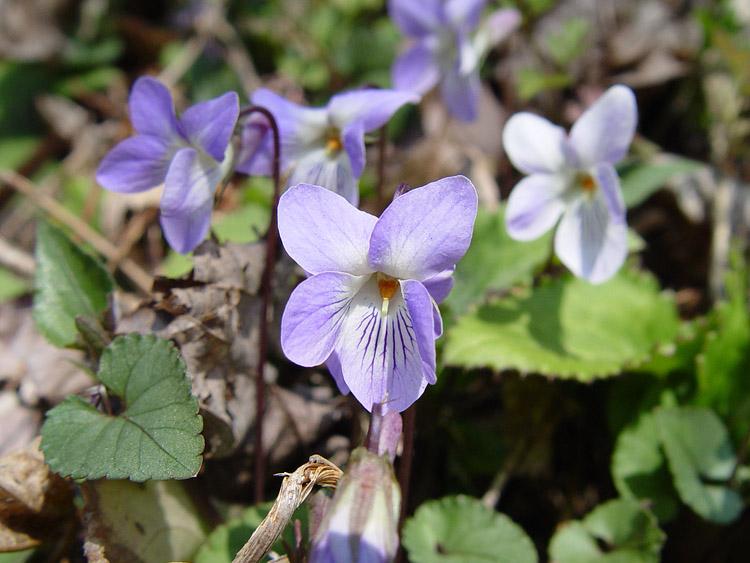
(426, 230)
(379, 354)
(314, 315)
(440, 285)
(135, 164)
(300, 127)
(416, 70)
(535, 205)
(533, 144)
(416, 18)
(373, 107)
(210, 124)
(152, 110)
(420, 307)
(589, 241)
(334, 173)
(323, 232)
(464, 14)
(604, 132)
(187, 200)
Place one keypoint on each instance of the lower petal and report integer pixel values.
(590, 241)
(419, 304)
(379, 354)
(334, 366)
(187, 200)
(460, 92)
(314, 315)
(134, 165)
(534, 206)
(415, 70)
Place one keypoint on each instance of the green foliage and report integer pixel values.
(226, 540)
(494, 261)
(567, 328)
(533, 81)
(629, 533)
(701, 460)
(11, 286)
(640, 180)
(68, 283)
(568, 42)
(639, 468)
(724, 365)
(157, 436)
(461, 529)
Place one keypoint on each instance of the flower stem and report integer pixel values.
(272, 236)
(404, 466)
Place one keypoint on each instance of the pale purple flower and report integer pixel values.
(447, 47)
(369, 308)
(187, 154)
(361, 522)
(573, 177)
(324, 146)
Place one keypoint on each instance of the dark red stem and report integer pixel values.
(404, 466)
(272, 236)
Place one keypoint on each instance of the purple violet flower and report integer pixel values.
(361, 522)
(187, 154)
(446, 50)
(323, 146)
(369, 308)
(573, 177)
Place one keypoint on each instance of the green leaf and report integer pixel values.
(226, 540)
(640, 180)
(568, 42)
(629, 533)
(68, 283)
(724, 364)
(142, 522)
(157, 436)
(461, 529)
(567, 327)
(701, 460)
(494, 261)
(244, 224)
(639, 468)
(11, 286)
(532, 81)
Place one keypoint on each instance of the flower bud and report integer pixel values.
(361, 524)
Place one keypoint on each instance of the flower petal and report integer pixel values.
(604, 132)
(334, 366)
(299, 127)
(210, 124)
(332, 173)
(533, 144)
(460, 92)
(589, 241)
(373, 107)
(416, 70)
(535, 205)
(354, 145)
(136, 164)
(152, 109)
(314, 315)
(607, 179)
(255, 155)
(416, 18)
(440, 285)
(379, 354)
(464, 14)
(501, 23)
(426, 230)
(420, 307)
(323, 232)
(187, 200)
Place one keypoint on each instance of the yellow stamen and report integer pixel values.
(333, 144)
(387, 286)
(587, 183)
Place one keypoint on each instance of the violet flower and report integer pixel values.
(447, 48)
(573, 177)
(369, 308)
(361, 522)
(323, 146)
(187, 154)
